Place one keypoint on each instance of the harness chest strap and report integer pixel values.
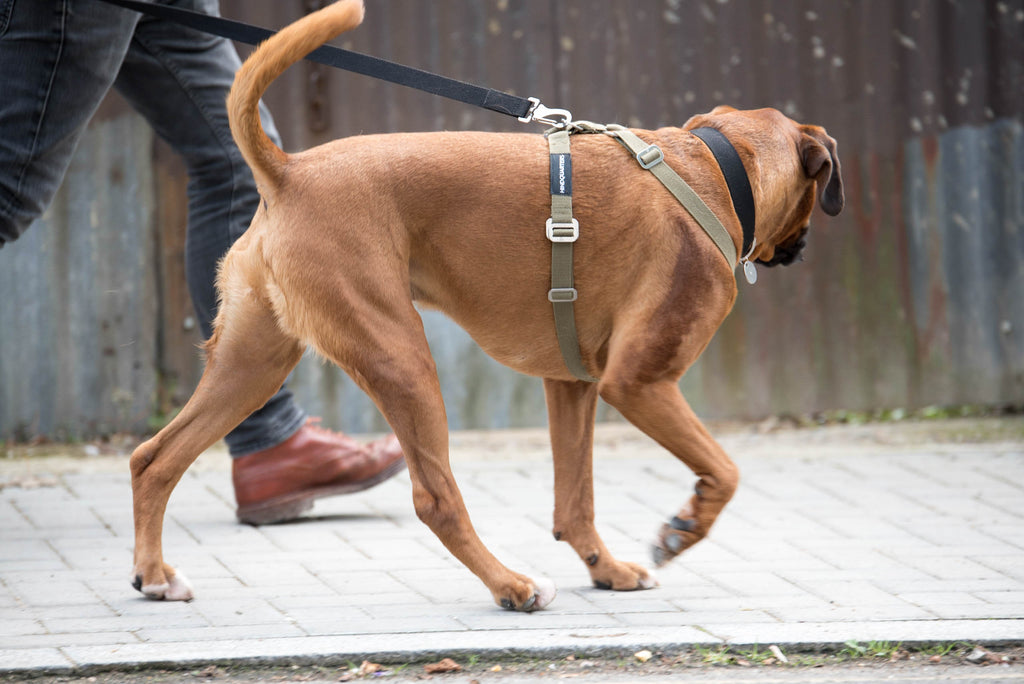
(562, 231)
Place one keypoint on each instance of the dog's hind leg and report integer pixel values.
(660, 411)
(248, 359)
(571, 411)
(384, 349)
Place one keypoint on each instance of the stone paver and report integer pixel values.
(835, 534)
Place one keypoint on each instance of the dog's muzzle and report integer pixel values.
(787, 253)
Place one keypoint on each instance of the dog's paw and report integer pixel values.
(648, 582)
(626, 577)
(178, 588)
(664, 549)
(660, 556)
(543, 594)
(674, 537)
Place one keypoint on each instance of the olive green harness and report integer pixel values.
(563, 230)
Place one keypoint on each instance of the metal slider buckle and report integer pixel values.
(573, 226)
(562, 294)
(542, 114)
(650, 156)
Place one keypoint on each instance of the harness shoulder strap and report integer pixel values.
(563, 230)
(651, 158)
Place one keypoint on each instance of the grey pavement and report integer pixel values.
(911, 533)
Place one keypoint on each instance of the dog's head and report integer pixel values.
(785, 162)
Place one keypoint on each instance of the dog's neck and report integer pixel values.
(736, 178)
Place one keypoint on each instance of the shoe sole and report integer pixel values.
(292, 506)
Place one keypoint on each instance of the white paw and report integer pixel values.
(648, 582)
(155, 591)
(180, 589)
(545, 592)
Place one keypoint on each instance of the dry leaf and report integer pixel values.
(444, 665)
(368, 668)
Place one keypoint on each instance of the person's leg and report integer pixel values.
(58, 58)
(179, 79)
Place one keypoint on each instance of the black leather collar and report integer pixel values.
(736, 178)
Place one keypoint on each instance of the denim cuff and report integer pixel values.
(258, 432)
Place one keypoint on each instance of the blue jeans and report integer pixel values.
(58, 58)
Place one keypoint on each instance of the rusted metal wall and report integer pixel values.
(912, 297)
(79, 297)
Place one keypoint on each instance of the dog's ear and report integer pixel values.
(818, 153)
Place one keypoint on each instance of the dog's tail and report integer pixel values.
(270, 59)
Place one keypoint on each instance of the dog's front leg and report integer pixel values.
(398, 372)
(571, 410)
(660, 411)
(439, 504)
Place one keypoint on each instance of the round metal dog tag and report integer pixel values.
(750, 271)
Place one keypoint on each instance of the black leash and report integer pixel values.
(526, 109)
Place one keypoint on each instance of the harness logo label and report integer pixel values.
(561, 174)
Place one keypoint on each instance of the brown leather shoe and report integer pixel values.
(281, 483)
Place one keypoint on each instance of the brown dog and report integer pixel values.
(351, 233)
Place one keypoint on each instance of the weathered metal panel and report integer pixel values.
(886, 79)
(79, 311)
(910, 298)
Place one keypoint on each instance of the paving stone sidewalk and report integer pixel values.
(875, 533)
